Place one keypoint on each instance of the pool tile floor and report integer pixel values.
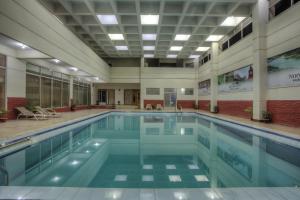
(67, 193)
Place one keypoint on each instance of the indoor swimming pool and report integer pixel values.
(155, 150)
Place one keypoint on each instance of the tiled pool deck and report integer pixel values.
(61, 193)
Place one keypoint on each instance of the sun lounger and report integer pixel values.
(148, 107)
(159, 107)
(24, 112)
(48, 111)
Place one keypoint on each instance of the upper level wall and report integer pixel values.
(237, 56)
(284, 35)
(30, 23)
(124, 74)
(167, 73)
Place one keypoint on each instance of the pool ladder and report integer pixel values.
(19, 141)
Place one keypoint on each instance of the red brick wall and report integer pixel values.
(13, 102)
(186, 103)
(204, 105)
(63, 109)
(153, 102)
(235, 108)
(285, 112)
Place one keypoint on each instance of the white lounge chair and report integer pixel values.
(24, 112)
(47, 112)
(159, 107)
(148, 107)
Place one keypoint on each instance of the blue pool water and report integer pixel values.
(156, 150)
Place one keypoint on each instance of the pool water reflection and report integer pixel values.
(130, 150)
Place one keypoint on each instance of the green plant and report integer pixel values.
(31, 107)
(249, 110)
(3, 112)
(215, 109)
(267, 116)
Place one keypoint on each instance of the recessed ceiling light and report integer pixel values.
(232, 21)
(23, 46)
(194, 56)
(149, 19)
(214, 38)
(149, 48)
(116, 36)
(175, 48)
(149, 36)
(202, 48)
(107, 19)
(148, 55)
(56, 60)
(121, 48)
(73, 69)
(171, 56)
(182, 37)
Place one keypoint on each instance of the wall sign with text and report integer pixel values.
(284, 69)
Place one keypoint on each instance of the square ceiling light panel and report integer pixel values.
(149, 48)
(171, 56)
(122, 48)
(182, 37)
(202, 48)
(107, 19)
(149, 19)
(149, 36)
(116, 36)
(175, 48)
(194, 56)
(214, 38)
(232, 21)
(148, 55)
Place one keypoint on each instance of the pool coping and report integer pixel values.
(34, 133)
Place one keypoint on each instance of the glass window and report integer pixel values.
(46, 92)
(75, 94)
(152, 91)
(2, 88)
(65, 94)
(33, 89)
(2, 60)
(57, 93)
(187, 91)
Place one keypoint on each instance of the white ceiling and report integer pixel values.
(199, 18)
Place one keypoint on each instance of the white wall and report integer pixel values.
(16, 77)
(283, 34)
(152, 77)
(124, 74)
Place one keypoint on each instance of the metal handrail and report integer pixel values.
(2, 146)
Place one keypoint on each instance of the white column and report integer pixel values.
(260, 20)
(196, 66)
(71, 90)
(214, 75)
(142, 90)
(92, 93)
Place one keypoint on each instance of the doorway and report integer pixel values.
(170, 97)
(131, 97)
